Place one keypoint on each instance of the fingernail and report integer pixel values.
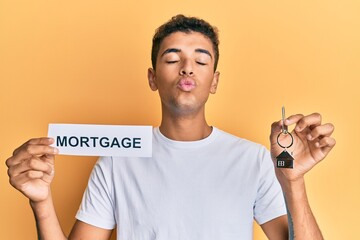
(56, 151)
(309, 137)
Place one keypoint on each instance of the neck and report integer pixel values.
(185, 128)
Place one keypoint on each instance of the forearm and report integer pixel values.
(302, 222)
(47, 223)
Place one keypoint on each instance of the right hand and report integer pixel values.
(31, 168)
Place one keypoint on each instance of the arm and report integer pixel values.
(48, 226)
(83, 230)
(302, 221)
(47, 223)
(31, 171)
(299, 211)
(312, 142)
(276, 229)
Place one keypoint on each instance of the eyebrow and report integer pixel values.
(177, 50)
(200, 50)
(170, 50)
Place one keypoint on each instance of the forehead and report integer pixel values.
(190, 40)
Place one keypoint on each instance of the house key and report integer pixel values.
(284, 160)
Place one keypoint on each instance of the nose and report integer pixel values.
(186, 68)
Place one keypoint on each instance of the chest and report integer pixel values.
(169, 194)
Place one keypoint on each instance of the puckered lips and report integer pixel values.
(186, 84)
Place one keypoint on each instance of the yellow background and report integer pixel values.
(86, 62)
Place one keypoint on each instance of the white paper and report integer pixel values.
(102, 140)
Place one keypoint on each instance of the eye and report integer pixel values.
(171, 62)
(201, 63)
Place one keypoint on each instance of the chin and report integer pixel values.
(185, 106)
(186, 109)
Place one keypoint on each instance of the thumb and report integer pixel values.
(276, 128)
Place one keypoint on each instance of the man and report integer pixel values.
(200, 183)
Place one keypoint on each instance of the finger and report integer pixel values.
(19, 180)
(41, 141)
(35, 141)
(326, 144)
(320, 131)
(309, 121)
(293, 119)
(276, 127)
(49, 158)
(12, 161)
(31, 164)
(27, 151)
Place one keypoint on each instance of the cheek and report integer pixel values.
(167, 78)
(207, 77)
(163, 79)
(204, 70)
(167, 71)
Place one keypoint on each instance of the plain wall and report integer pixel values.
(86, 62)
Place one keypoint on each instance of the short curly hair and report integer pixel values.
(181, 23)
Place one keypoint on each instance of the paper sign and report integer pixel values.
(102, 140)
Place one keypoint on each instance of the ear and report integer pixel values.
(152, 79)
(214, 82)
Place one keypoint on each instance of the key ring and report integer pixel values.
(287, 133)
(284, 160)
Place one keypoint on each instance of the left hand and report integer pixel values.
(312, 142)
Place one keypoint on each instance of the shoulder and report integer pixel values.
(234, 140)
(245, 149)
(104, 162)
(103, 167)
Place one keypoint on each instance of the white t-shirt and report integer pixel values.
(208, 189)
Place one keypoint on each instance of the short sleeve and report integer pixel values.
(269, 203)
(97, 206)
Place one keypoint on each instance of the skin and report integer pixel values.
(313, 143)
(183, 112)
(182, 56)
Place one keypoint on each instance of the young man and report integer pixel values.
(200, 183)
